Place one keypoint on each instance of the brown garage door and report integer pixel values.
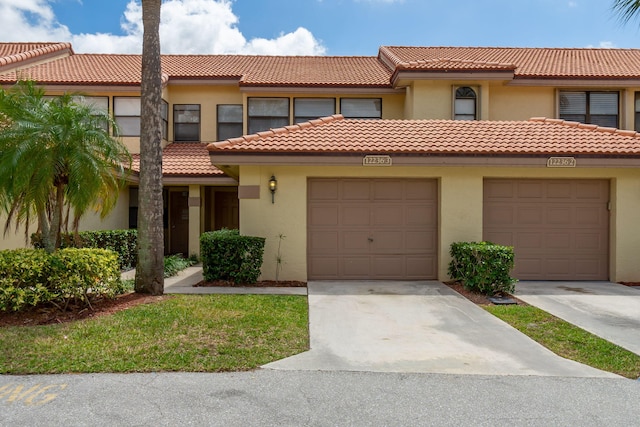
(559, 228)
(372, 229)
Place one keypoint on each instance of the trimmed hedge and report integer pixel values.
(32, 276)
(123, 242)
(226, 255)
(483, 267)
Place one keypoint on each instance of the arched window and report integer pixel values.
(465, 106)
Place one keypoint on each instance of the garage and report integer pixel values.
(559, 228)
(378, 229)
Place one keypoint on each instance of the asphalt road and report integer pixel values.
(312, 398)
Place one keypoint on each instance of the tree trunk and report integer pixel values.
(150, 267)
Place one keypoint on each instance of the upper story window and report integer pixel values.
(126, 111)
(164, 115)
(637, 112)
(361, 108)
(465, 105)
(229, 121)
(305, 109)
(267, 113)
(598, 108)
(186, 122)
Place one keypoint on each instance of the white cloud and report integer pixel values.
(187, 26)
(604, 45)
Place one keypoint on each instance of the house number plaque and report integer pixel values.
(376, 161)
(561, 162)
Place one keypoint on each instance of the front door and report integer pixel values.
(179, 222)
(227, 209)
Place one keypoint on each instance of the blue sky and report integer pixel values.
(331, 27)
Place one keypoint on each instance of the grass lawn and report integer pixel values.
(191, 333)
(569, 341)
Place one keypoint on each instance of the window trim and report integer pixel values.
(249, 116)
(301, 119)
(218, 122)
(165, 120)
(115, 116)
(476, 104)
(362, 118)
(587, 113)
(199, 124)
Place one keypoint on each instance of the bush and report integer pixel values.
(174, 264)
(123, 242)
(482, 267)
(32, 276)
(226, 255)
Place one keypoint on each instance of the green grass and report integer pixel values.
(569, 341)
(191, 333)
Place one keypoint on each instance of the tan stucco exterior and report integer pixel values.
(460, 209)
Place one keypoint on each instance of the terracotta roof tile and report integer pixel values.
(184, 159)
(557, 63)
(15, 53)
(324, 71)
(537, 136)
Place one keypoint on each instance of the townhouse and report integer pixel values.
(372, 166)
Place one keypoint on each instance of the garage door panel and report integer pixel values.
(529, 215)
(324, 242)
(324, 215)
(560, 216)
(381, 225)
(527, 240)
(352, 241)
(353, 190)
(325, 268)
(387, 215)
(529, 190)
(421, 215)
(354, 267)
(387, 190)
(560, 230)
(326, 189)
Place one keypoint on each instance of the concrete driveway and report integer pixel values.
(609, 310)
(416, 327)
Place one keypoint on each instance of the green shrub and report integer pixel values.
(123, 242)
(173, 264)
(32, 276)
(226, 255)
(482, 267)
(84, 274)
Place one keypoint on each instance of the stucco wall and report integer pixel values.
(116, 220)
(460, 209)
(521, 103)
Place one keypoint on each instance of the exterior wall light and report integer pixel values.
(273, 186)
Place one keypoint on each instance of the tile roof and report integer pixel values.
(537, 136)
(531, 63)
(14, 53)
(111, 69)
(184, 159)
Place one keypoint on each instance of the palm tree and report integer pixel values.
(56, 154)
(626, 9)
(150, 267)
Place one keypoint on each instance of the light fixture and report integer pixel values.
(273, 186)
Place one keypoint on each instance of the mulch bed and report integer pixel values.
(47, 315)
(258, 284)
(478, 298)
(631, 284)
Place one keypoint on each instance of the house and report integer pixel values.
(377, 164)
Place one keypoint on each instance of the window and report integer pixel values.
(229, 121)
(186, 122)
(305, 109)
(126, 111)
(637, 112)
(267, 113)
(164, 115)
(361, 108)
(465, 105)
(598, 108)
